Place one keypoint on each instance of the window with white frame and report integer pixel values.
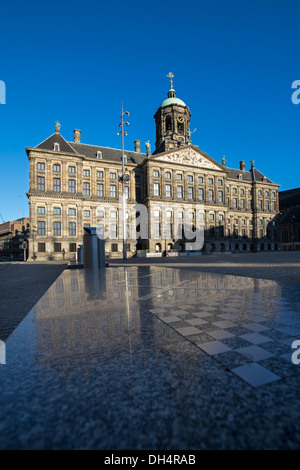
(56, 185)
(113, 190)
(99, 189)
(41, 183)
(56, 228)
(86, 189)
(72, 186)
(72, 229)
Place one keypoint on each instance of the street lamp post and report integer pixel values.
(123, 178)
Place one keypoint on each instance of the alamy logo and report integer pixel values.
(160, 222)
(295, 96)
(296, 354)
(2, 92)
(2, 352)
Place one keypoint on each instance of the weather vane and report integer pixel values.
(170, 76)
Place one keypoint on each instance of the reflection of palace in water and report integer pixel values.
(88, 310)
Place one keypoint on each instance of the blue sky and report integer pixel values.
(234, 63)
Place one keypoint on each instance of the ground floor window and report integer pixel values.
(57, 247)
(72, 247)
(41, 247)
(114, 247)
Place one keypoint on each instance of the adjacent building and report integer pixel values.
(12, 235)
(73, 185)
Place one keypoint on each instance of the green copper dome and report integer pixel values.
(172, 99)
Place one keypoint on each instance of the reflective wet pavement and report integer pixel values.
(154, 358)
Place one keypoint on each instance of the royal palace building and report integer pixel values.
(73, 185)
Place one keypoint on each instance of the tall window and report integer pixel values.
(56, 185)
(113, 192)
(220, 195)
(126, 191)
(168, 190)
(41, 227)
(72, 186)
(242, 203)
(157, 229)
(86, 189)
(169, 230)
(168, 123)
(201, 194)
(99, 189)
(57, 228)
(210, 195)
(190, 193)
(234, 202)
(113, 231)
(179, 192)
(72, 229)
(41, 183)
(156, 189)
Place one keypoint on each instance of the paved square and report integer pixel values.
(170, 355)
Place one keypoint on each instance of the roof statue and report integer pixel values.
(57, 126)
(148, 147)
(188, 135)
